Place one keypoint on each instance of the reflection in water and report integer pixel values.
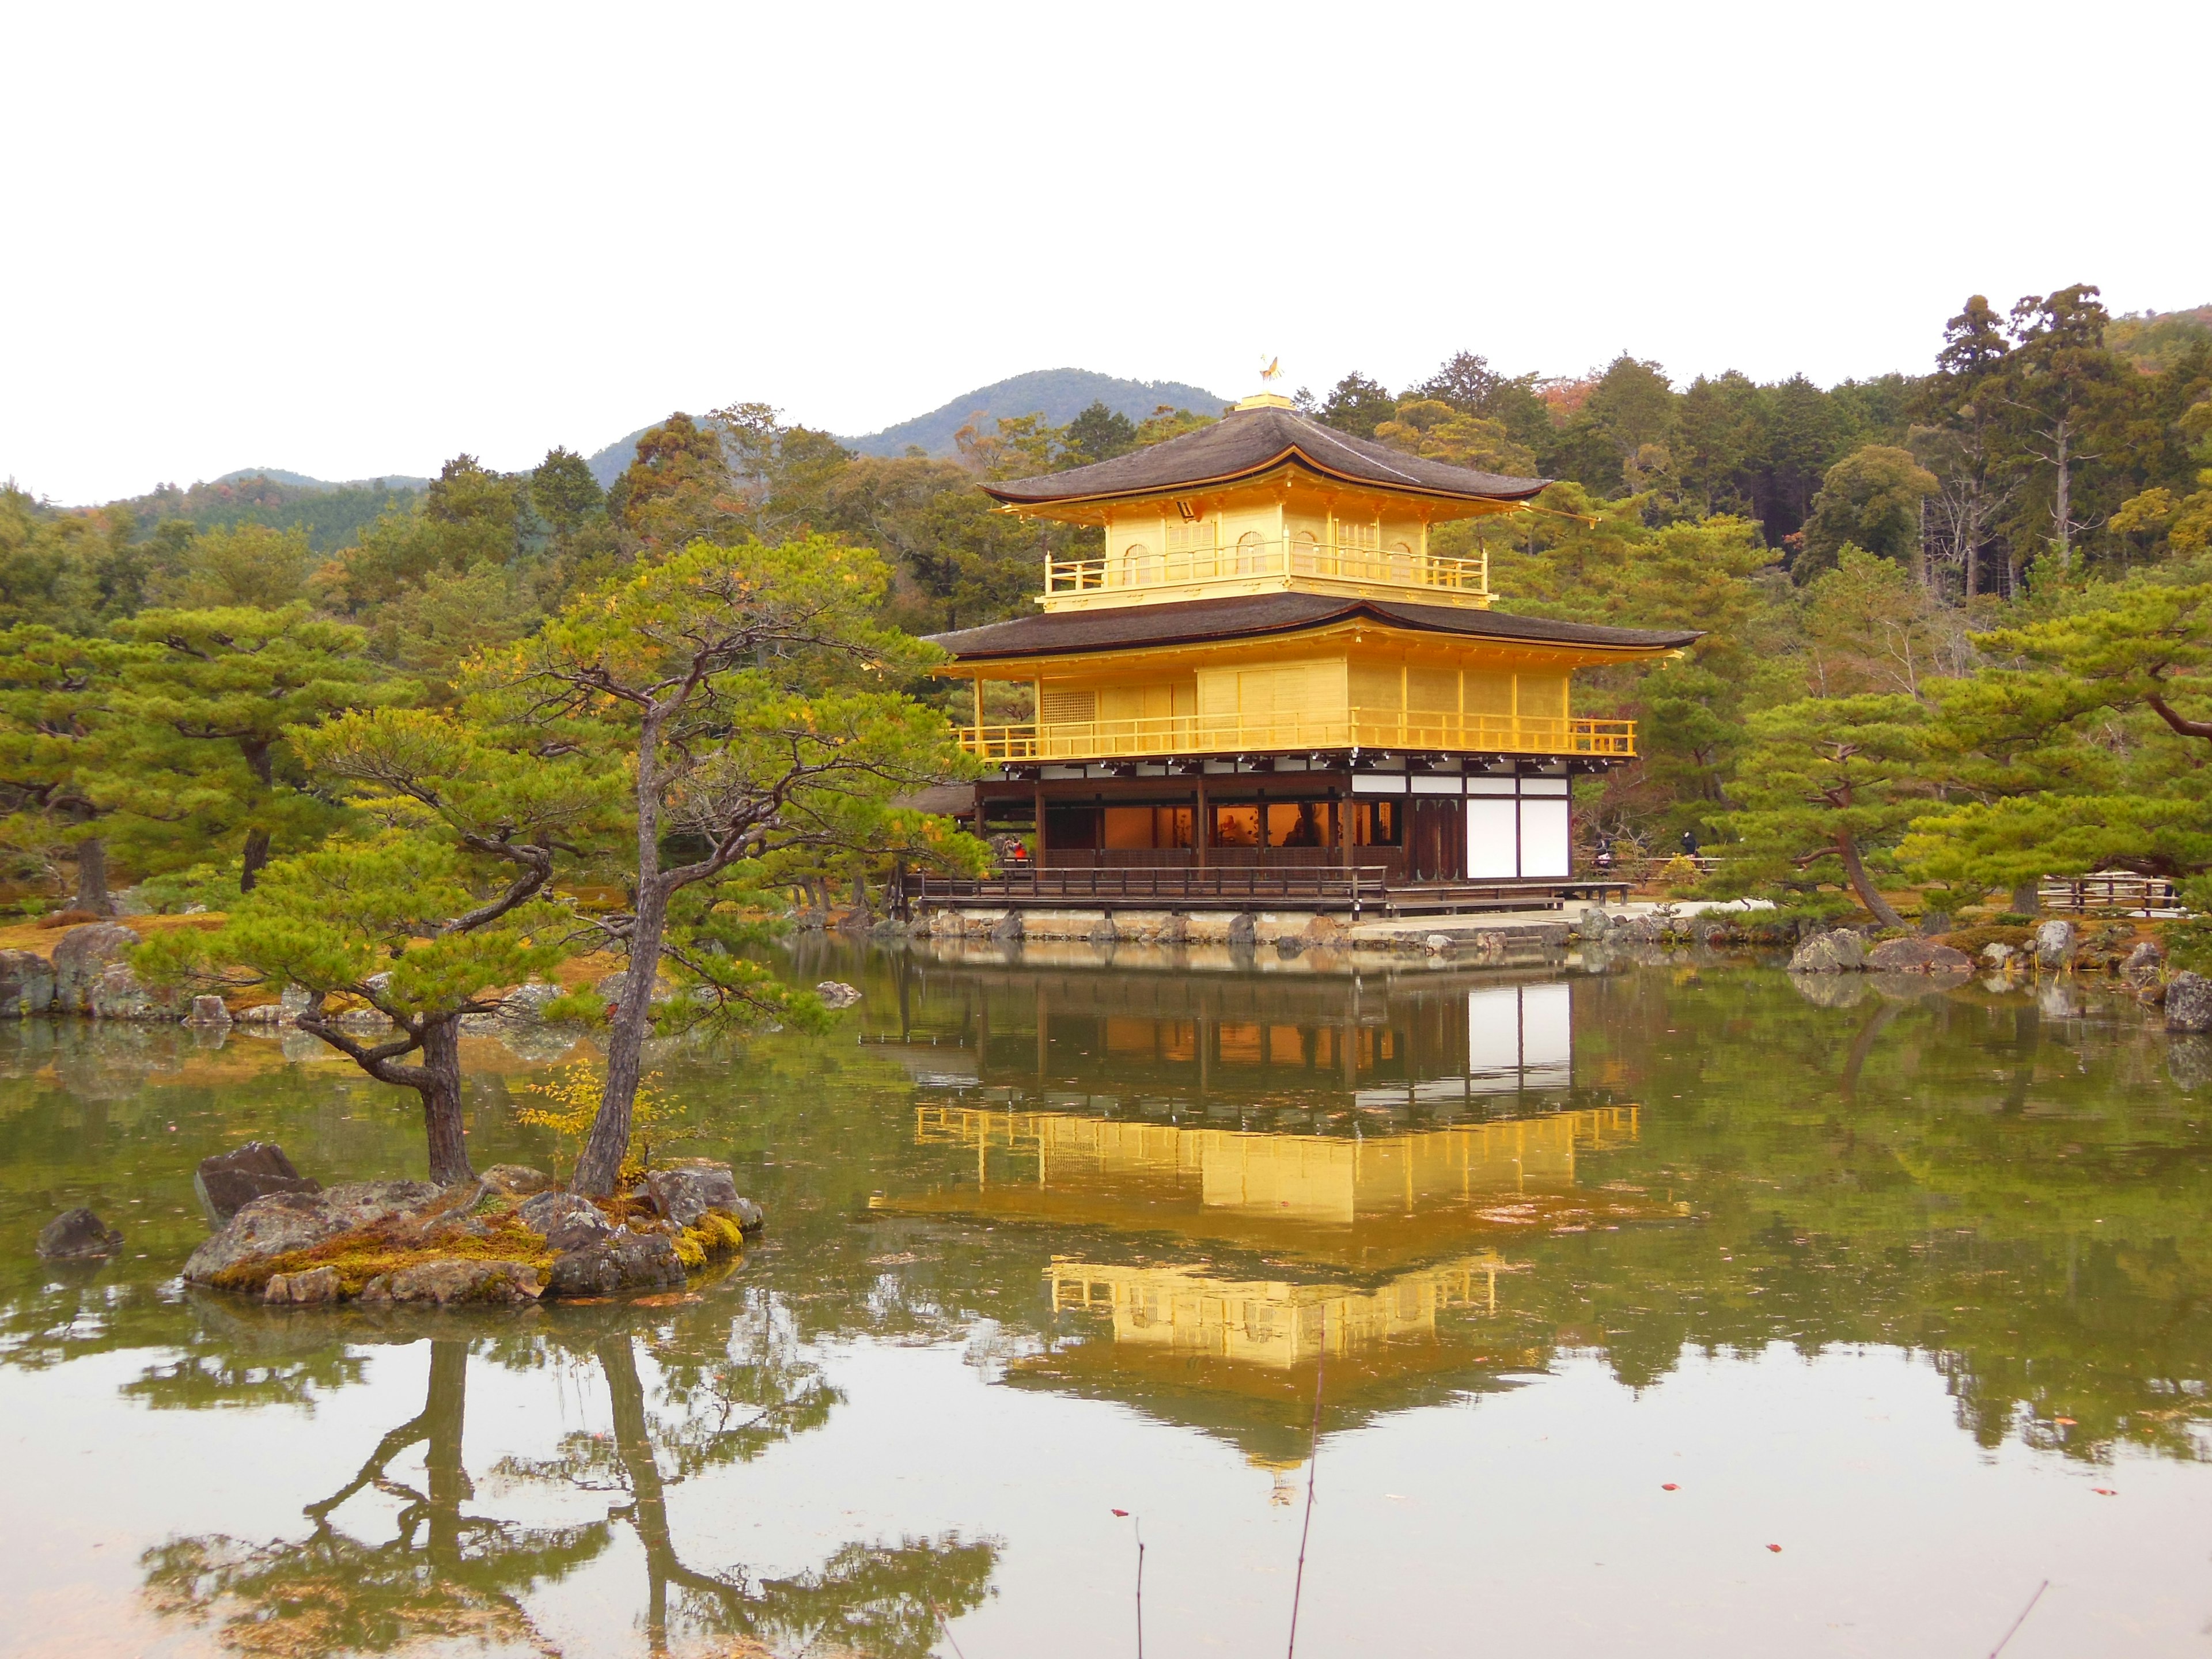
(447, 1573)
(1269, 1323)
(1264, 1052)
(1368, 1200)
(1171, 1194)
(442, 1574)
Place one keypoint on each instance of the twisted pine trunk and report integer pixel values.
(1862, 883)
(436, 1078)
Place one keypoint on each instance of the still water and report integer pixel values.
(1608, 1284)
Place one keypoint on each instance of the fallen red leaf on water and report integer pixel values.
(1777, 1548)
(2104, 1491)
(1669, 1486)
(1121, 1512)
(2063, 1422)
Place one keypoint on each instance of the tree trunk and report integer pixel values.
(443, 1414)
(2027, 898)
(599, 1171)
(441, 1090)
(91, 877)
(1863, 884)
(648, 1497)
(2062, 493)
(257, 858)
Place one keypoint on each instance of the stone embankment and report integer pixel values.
(1282, 934)
(508, 1239)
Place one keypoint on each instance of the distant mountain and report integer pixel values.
(2156, 339)
(301, 481)
(611, 463)
(1058, 394)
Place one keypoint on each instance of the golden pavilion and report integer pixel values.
(1267, 670)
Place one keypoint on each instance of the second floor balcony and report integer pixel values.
(1253, 561)
(1289, 731)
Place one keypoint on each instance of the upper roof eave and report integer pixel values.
(1248, 443)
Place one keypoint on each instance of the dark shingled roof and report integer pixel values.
(1246, 442)
(1121, 627)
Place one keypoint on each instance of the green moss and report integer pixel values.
(1972, 939)
(363, 1255)
(372, 1252)
(716, 1234)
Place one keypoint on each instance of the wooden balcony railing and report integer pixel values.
(1358, 728)
(1383, 567)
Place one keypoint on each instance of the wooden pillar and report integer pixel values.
(1201, 829)
(1037, 794)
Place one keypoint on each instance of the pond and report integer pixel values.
(1672, 1308)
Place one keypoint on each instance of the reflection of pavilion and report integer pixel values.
(1240, 1357)
(1271, 1323)
(1247, 1048)
(1370, 1201)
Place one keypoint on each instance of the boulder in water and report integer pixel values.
(835, 993)
(464, 1280)
(2054, 944)
(77, 1234)
(617, 1265)
(228, 1182)
(1841, 951)
(26, 984)
(2189, 1003)
(281, 1222)
(683, 1191)
(2143, 963)
(567, 1221)
(82, 956)
(1917, 955)
(316, 1284)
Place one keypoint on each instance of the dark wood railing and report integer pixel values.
(1243, 886)
(1172, 882)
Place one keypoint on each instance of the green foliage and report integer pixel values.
(200, 752)
(1358, 405)
(349, 912)
(1830, 782)
(328, 516)
(1871, 499)
(750, 697)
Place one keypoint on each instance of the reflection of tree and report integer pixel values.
(443, 1574)
(867, 1598)
(446, 1573)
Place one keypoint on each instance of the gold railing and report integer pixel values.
(1338, 561)
(1358, 728)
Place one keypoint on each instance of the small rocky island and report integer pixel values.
(510, 1237)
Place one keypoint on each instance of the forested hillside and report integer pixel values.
(1956, 617)
(1057, 395)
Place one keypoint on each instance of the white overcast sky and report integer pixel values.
(348, 238)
